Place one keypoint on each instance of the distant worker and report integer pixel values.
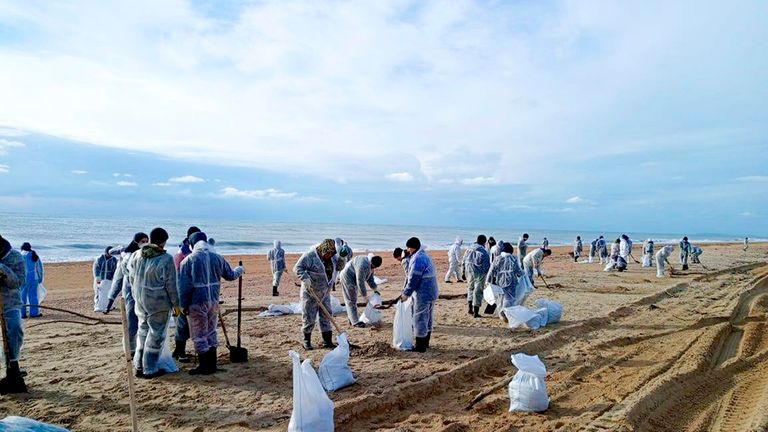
(602, 248)
(695, 253)
(505, 272)
(625, 247)
(454, 260)
(34, 277)
(662, 257)
(685, 251)
(402, 257)
(592, 250)
(648, 253)
(578, 248)
(532, 262)
(545, 244)
(276, 257)
(477, 261)
(746, 243)
(356, 274)
(522, 247)
(104, 268)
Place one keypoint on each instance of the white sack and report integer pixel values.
(371, 315)
(554, 310)
(524, 289)
(334, 371)
(491, 293)
(312, 409)
(42, 292)
(166, 361)
(521, 315)
(527, 390)
(402, 327)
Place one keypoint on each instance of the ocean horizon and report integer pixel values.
(77, 238)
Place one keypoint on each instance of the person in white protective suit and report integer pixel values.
(648, 253)
(505, 272)
(153, 284)
(615, 254)
(746, 243)
(276, 258)
(356, 274)
(662, 257)
(454, 261)
(578, 248)
(695, 253)
(532, 262)
(592, 250)
(625, 247)
(602, 248)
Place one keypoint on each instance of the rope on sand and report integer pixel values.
(96, 321)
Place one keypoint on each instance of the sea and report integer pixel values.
(68, 238)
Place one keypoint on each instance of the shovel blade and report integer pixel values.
(238, 354)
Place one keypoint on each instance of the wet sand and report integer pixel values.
(632, 352)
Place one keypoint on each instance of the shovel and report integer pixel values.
(544, 280)
(236, 354)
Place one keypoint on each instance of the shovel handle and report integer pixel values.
(323, 309)
(239, 305)
(224, 329)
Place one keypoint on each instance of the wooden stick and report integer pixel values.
(322, 308)
(544, 280)
(129, 366)
(485, 393)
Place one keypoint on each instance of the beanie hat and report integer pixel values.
(413, 243)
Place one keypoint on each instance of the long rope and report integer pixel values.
(97, 320)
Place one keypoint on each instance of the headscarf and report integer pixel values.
(327, 246)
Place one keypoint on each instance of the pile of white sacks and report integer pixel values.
(546, 312)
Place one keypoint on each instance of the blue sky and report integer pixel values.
(644, 116)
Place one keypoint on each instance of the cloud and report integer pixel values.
(231, 192)
(746, 214)
(186, 179)
(574, 200)
(6, 145)
(12, 132)
(400, 177)
(491, 75)
(79, 172)
(123, 183)
(753, 179)
(4, 169)
(479, 181)
(163, 184)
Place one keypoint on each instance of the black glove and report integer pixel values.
(109, 306)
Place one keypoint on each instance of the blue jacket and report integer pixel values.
(421, 278)
(34, 271)
(104, 268)
(12, 266)
(200, 276)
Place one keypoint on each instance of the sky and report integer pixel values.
(644, 116)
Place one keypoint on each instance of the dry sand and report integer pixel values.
(633, 352)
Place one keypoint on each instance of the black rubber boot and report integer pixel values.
(476, 312)
(685, 266)
(328, 340)
(429, 335)
(13, 381)
(213, 358)
(180, 352)
(421, 344)
(109, 307)
(360, 324)
(469, 308)
(308, 342)
(203, 366)
(448, 281)
(274, 292)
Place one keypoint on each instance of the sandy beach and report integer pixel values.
(632, 352)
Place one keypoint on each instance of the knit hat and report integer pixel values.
(197, 237)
